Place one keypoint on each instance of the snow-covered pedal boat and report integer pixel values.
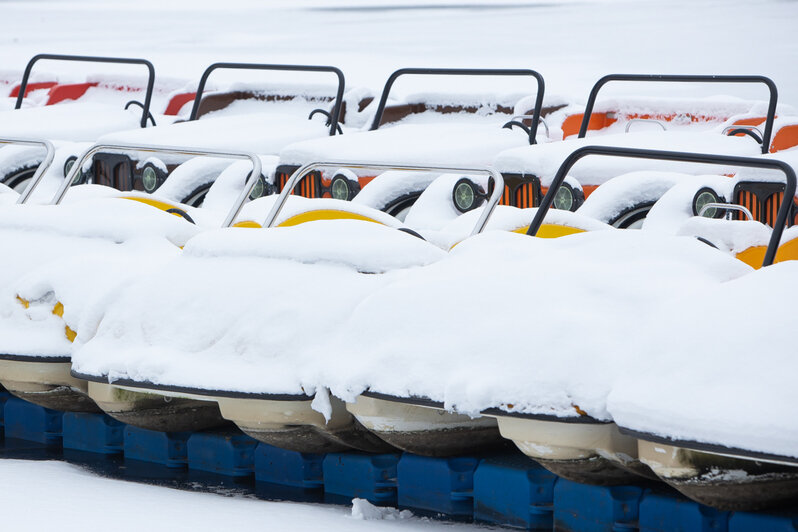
(423, 129)
(290, 417)
(77, 112)
(261, 119)
(423, 426)
(99, 229)
(592, 450)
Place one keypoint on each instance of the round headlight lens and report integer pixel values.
(257, 190)
(149, 178)
(339, 188)
(464, 195)
(564, 198)
(702, 198)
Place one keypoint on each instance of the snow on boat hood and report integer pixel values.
(465, 337)
(110, 218)
(72, 253)
(543, 160)
(68, 121)
(726, 374)
(235, 283)
(265, 133)
(458, 144)
(366, 247)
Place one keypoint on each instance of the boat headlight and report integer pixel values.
(79, 177)
(262, 188)
(704, 197)
(149, 178)
(466, 195)
(568, 198)
(343, 188)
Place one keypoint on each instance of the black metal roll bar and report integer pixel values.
(93, 59)
(705, 158)
(677, 78)
(465, 72)
(339, 95)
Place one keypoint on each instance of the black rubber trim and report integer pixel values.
(146, 385)
(423, 401)
(34, 358)
(584, 420)
(414, 400)
(708, 447)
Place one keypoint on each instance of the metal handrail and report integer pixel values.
(727, 207)
(704, 158)
(493, 200)
(514, 121)
(172, 150)
(750, 128)
(93, 59)
(533, 130)
(43, 166)
(339, 94)
(633, 120)
(666, 78)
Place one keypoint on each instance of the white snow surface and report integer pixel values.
(68, 489)
(263, 133)
(78, 121)
(543, 160)
(444, 144)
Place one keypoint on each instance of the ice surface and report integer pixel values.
(68, 489)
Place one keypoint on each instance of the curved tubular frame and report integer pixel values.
(705, 158)
(172, 150)
(93, 59)
(339, 94)
(493, 200)
(666, 78)
(727, 207)
(43, 166)
(533, 130)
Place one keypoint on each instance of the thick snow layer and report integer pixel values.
(67, 489)
(264, 133)
(71, 254)
(458, 144)
(366, 247)
(68, 121)
(111, 219)
(251, 331)
(543, 160)
(730, 362)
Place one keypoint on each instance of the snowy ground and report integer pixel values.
(75, 498)
(572, 43)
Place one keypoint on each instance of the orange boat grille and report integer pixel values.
(763, 200)
(525, 196)
(309, 186)
(520, 191)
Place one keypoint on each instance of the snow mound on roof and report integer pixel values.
(543, 160)
(457, 145)
(264, 133)
(68, 121)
